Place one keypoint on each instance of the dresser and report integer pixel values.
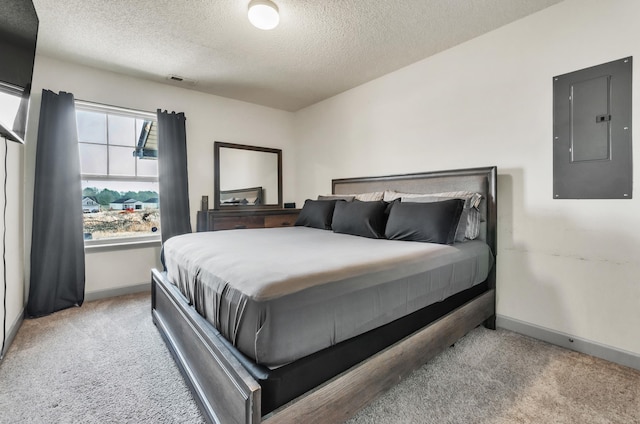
(214, 220)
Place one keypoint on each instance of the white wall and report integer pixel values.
(209, 118)
(14, 237)
(567, 265)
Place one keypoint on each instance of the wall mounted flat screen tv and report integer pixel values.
(18, 36)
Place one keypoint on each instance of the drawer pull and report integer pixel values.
(240, 227)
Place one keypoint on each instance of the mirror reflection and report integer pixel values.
(248, 176)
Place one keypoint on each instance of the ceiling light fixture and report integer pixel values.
(263, 14)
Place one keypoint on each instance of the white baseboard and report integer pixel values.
(11, 334)
(619, 356)
(120, 291)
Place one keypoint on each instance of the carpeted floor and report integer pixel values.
(106, 363)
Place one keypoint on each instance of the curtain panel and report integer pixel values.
(175, 216)
(57, 242)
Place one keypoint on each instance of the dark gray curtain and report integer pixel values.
(172, 172)
(57, 243)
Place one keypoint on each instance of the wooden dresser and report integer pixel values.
(213, 220)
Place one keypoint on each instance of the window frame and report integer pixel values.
(118, 242)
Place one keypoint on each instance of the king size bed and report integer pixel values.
(310, 323)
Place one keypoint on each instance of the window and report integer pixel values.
(10, 101)
(118, 162)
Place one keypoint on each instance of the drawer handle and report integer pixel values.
(240, 227)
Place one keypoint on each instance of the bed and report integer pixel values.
(232, 377)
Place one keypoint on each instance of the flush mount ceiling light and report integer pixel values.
(263, 14)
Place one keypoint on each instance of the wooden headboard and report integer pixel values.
(478, 180)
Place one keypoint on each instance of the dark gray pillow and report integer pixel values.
(366, 219)
(425, 222)
(469, 224)
(317, 214)
(462, 222)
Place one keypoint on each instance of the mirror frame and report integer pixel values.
(216, 176)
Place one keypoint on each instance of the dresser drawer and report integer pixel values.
(214, 220)
(271, 221)
(237, 222)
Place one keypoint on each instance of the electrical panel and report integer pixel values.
(592, 132)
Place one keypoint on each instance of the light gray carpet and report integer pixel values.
(106, 363)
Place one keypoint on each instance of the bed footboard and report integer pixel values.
(343, 396)
(224, 390)
(227, 393)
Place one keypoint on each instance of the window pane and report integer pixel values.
(93, 159)
(122, 130)
(116, 209)
(122, 161)
(9, 105)
(92, 126)
(150, 144)
(139, 123)
(147, 168)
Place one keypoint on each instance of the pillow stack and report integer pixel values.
(442, 218)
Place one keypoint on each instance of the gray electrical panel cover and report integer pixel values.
(592, 132)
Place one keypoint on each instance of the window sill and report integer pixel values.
(111, 245)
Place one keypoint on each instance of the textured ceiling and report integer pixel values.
(320, 48)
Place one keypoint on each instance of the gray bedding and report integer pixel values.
(279, 294)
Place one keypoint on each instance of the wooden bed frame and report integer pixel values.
(227, 393)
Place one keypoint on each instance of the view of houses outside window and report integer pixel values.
(118, 161)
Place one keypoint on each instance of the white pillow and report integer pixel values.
(363, 197)
(370, 197)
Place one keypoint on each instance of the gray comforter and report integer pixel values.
(279, 294)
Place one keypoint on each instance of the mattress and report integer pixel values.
(279, 294)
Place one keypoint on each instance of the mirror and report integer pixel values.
(246, 177)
